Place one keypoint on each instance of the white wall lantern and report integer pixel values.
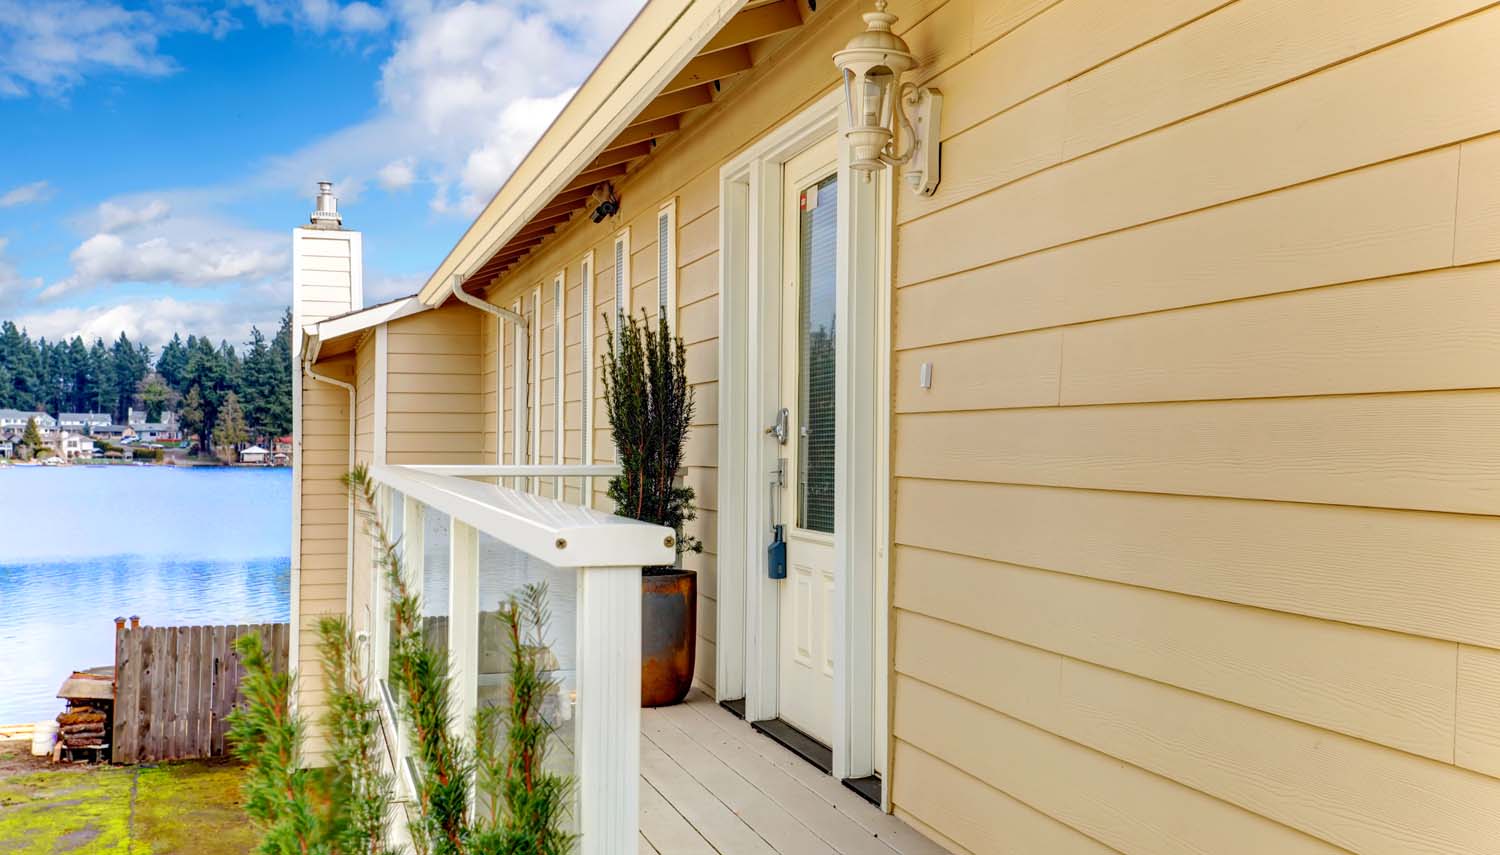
(874, 97)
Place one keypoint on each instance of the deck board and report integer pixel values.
(713, 786)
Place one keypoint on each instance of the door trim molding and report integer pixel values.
(750, 224)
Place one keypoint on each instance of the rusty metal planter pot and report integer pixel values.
(669, 636)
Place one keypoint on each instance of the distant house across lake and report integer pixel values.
(82, 422)
(17, 419)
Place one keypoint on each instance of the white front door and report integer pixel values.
(805, 504)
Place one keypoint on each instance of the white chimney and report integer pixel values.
(327, 266)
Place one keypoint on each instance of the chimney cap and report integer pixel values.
(326, 214)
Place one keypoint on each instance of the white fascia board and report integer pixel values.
(371, 317)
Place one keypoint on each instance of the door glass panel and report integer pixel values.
(816, 316)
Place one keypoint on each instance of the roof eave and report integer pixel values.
(663, 38)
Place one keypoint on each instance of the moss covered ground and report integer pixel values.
(169, 809)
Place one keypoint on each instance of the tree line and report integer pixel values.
(224, 397)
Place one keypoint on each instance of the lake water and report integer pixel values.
(82, 544)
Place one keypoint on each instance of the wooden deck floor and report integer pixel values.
(710, 784)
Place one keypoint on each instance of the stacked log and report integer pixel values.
(82, 727)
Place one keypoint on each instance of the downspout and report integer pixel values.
(349, 545)
(455, 285)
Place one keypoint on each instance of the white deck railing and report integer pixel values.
(499, 538)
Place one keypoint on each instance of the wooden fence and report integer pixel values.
(175, 685)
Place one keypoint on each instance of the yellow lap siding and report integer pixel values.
(1478, 740)
(1379, 221)
(975, 813)
(1394, 689)
(1119, 804)
(1424, 573)
(1429, 90)
(1430, 450)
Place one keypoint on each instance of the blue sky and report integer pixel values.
(154, 155)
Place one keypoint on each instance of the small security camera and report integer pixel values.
(606, 203)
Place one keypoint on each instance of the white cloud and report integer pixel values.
(110, 259)
(397, 175)
(50, 46)
(119, 216)
(154, 321)
(468, 89)
(321, 16)
(36, 191)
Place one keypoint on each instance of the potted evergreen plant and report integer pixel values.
(650, 407)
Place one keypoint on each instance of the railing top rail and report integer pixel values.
(561, 533)
(568, 470)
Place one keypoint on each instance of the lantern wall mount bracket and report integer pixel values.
(876, 100)
(921, 112)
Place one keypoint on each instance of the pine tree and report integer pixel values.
(127, 369)
(81, 390)
(190, 417)
(172, 363)
(32, 436)
(230, 433)
(106, 395)
(154, 396)
(266, 736)
(279, 409)
(208, 373)
(259, 383)
(359, 791)
(511, 742)
(19, 355)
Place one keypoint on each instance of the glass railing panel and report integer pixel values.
(507, 575)
(436, 562)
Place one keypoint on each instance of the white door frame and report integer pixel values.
(750, 225)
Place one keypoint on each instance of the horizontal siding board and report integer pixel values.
(1424, 573)
(1427, 331)
(1060, 43)
(1009, 371)
(1238, 50)
(1431, 450)
(1427, 91)
(1342, 790)
(1478, 744)
(1380, 221)
(1124, 807)
(1478, 228)
(977, 815)
(1386, 687)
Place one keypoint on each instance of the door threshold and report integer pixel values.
(797, 742)
(814, 752)
(736, 707)
(868, 788)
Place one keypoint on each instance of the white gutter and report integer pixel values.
(349, 546)
(455, 286)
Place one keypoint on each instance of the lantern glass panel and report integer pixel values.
(875, 101)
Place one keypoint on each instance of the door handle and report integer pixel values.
(779, 429)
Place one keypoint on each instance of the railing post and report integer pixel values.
(463, 623)
(608, 715)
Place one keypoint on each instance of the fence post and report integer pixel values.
(608, 715)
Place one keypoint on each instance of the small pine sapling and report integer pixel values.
(528, 803)
(280, 795)
(420, 675)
